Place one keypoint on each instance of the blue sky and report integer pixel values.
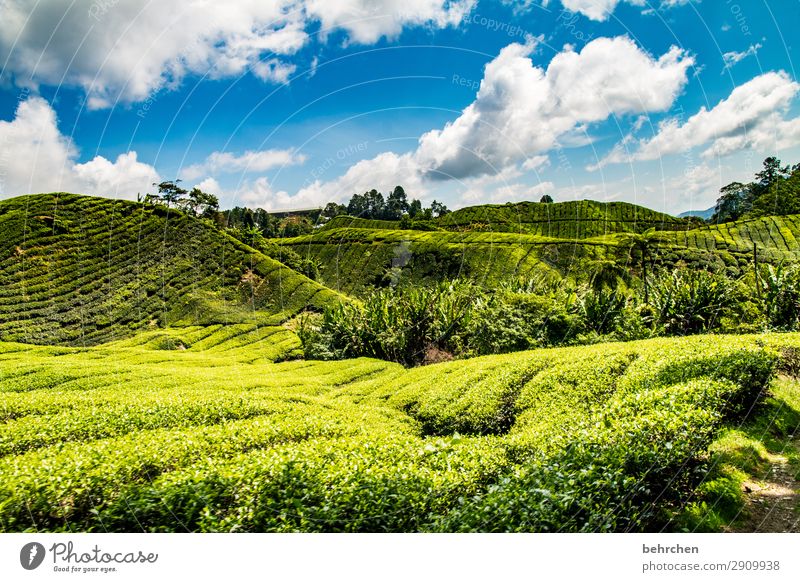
(293, 103)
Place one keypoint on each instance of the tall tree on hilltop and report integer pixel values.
(397, 204)
(376, 206)
(439, 209)
(771, 173)
(170, 192)
(201, 203)
(734, 202)
(357, 206)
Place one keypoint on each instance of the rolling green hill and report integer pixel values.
(80, 270)
(572, 220)
(494, 243)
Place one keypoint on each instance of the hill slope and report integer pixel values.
(83, 270)
(495, 243)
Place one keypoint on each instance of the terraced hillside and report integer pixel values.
(79, 270)
(129, 437)
(776, 237)
(357, 254)
(571, 220)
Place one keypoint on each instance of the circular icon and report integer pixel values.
(31, 555)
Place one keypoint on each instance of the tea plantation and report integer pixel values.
(151, 380)
(80, 270)
(494, 243)
(130, 436)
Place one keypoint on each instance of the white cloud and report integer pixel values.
(595, 9)
(520, 113)
(121, 179)
(367, 21)
(128, 49)
(505, 186)
(599, 10)
(38, 158)
(698, 186)
(734, 57)
(383, 172)
(522, 110)
(250, 161)
(753, 116)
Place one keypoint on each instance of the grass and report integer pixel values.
(150, 381)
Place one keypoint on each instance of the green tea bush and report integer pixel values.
(608, 437)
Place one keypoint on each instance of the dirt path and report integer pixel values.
(773, 504)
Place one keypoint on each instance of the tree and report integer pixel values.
(414, 208)
(332, 209)
(376, 206)
(782, 198)
(170, 192)
(252, 236)
(439, 209)
(546, 199)
(397, 204)
(606, 273)
(772, 173)
(201, 203)
(641, 248)
(357, 205)
(732, 204)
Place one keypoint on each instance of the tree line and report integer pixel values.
(774, 192)
(372, 205)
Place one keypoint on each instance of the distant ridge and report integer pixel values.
(704, 214)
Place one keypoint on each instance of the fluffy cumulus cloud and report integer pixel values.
(249, 161)
(753, 116)
(384, 172)
(696, 188)
(595, 9)
(522, 110)
(38, 158)
(366, 21)
(127, 49)
(507, 185)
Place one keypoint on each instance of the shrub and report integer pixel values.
(399, 325)
(690, 301)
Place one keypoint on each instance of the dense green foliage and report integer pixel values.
(84, 270)
(774, 192)
(603, 438)
(413, 324)
(355, 255)
(572, 220)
